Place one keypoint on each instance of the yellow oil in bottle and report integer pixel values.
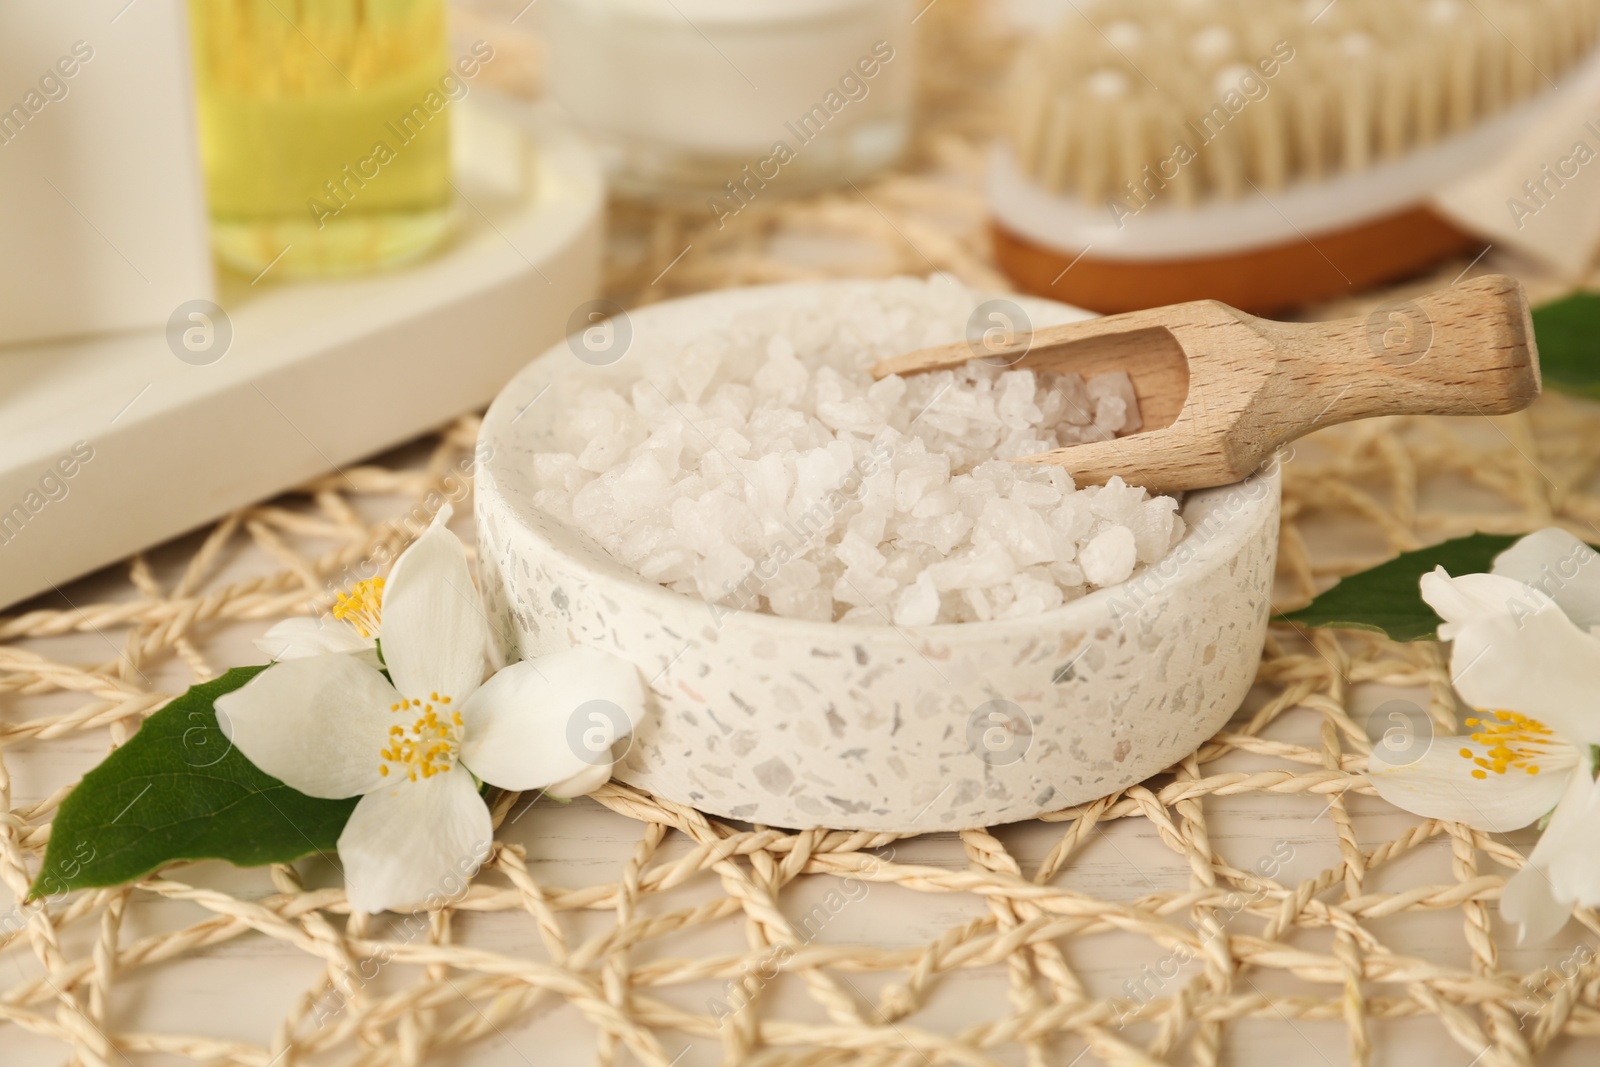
(324, 131)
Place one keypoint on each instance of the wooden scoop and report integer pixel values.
(1219, 390)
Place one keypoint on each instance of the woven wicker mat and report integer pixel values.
(1371, 920)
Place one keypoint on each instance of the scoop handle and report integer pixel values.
(1463, 350)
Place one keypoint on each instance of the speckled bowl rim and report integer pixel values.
(1214, 551)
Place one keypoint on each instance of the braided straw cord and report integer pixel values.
(1062, 931)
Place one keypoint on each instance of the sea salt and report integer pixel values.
(761, 467)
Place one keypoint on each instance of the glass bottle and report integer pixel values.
(324, 131)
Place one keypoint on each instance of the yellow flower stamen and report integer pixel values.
(429, 747)
(362, 607)
(1511, 741)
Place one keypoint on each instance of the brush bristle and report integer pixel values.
(1126, 85)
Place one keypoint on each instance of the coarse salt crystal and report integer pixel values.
(1110, 557)
(918, 604)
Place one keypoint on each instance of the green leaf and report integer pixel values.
(1387, 598)
(179, 790)
(1568, 334)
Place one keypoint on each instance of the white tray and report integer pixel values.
(317, 374)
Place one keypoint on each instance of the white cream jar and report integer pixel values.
(725, 101)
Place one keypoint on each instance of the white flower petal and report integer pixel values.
(435, 634)
(1540, 896)
(1560, 566)
(316, 724)
(300, 637)
(1514, 649)
(1528, 901)
(583, 783)
(415, 843)
(1567, 848)
(1439, 785)
(547, 720)
(1448, 602)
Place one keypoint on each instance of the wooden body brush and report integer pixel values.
(1267, 153)
(1220, 390)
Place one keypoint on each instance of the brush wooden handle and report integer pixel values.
(1465, 350)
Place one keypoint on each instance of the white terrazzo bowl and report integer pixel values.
(803, 724)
